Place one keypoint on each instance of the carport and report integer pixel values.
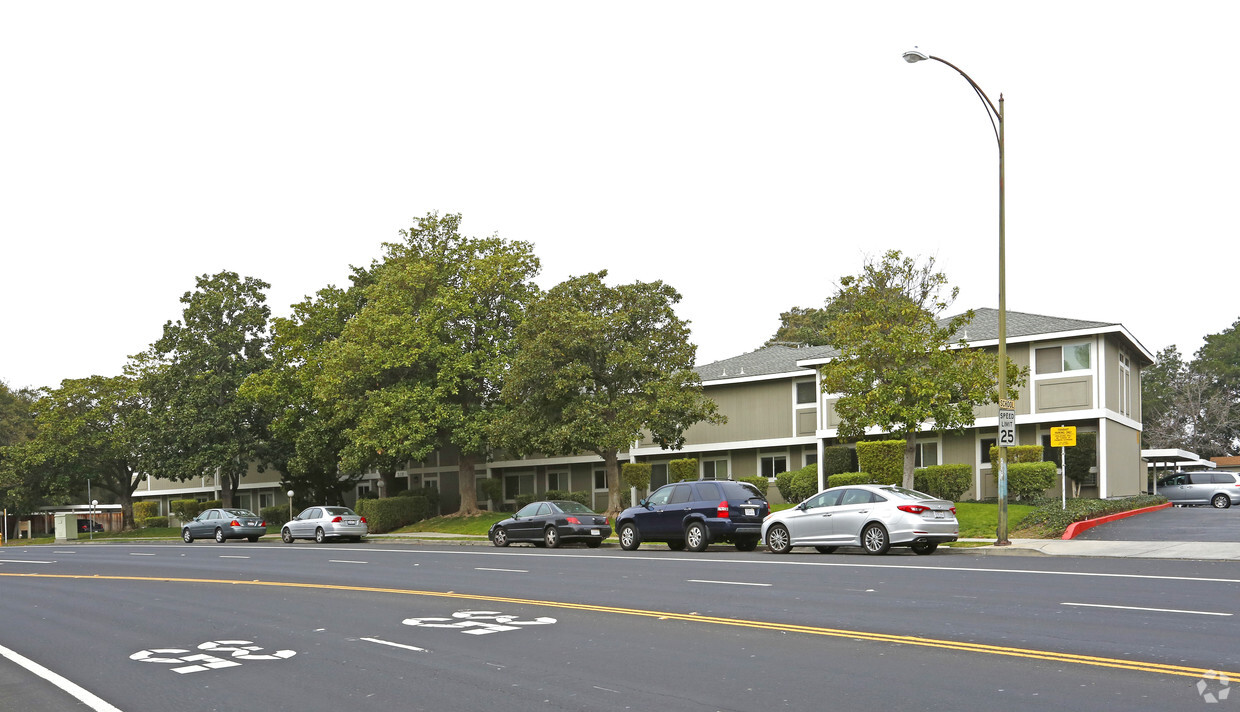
(1158, 462)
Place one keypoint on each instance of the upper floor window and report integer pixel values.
(806, 393)
(1058, 359)
(1125, 385)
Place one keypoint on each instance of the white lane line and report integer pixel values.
(511, 571)
(134, 553)
(233, 556)
(730, 583)
(1138, 608)
(87, 698)
(345, 561)
(24, 561)
(64, 552)
(395, 645)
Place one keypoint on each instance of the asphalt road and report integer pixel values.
(1205, 524)
(440, 627)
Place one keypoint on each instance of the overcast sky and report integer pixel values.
(748, 153)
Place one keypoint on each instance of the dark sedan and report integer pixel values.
(551, 523)
(224, 524)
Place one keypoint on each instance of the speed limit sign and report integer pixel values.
(1007, 424)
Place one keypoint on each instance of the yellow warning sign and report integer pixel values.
(1063, 437)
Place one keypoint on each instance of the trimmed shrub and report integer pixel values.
(636, 474)
(154, 522)
(837, 459)
(851, 478)
(1016, 453)
(762, 483)
(882, 458)
(1027, 480)
(804, 483)
(682, 469)
(943, 481)
(186, 509)
(275, 516)
(384, 515)
(783, 483)
(492, 489)
(143, 511)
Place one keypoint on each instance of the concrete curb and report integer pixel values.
(1077, 527)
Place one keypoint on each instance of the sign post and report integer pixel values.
(1007, 438)
(1063, 438)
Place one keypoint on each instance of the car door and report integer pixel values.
(810, 521)
(303, 525)
(1200, 487)
(523, 522)
(1174, 488)
(850, 515)
(651, 519)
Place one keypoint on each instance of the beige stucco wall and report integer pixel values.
(756, 411)
(1125, 470)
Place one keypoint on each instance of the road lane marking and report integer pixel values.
(1138, 608)
(511, 571)
(729, 583)
(135, 553)
(82, 695)
(24, 561)
(943, 644)
(232, 556)
(345, 561)
(396, 645)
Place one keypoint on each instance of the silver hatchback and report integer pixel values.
(323, 523)
(1217, 489)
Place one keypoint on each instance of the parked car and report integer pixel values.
(874, 517)
(551, 523)
(693, 515)
(88, 525)
(1218, 489)
(323, 523)
(224, 524)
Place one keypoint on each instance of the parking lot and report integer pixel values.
(1204, 524)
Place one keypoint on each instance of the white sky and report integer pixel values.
(748, 153)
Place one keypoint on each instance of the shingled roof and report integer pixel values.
(782, 358)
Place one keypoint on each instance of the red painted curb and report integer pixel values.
(1078, 527)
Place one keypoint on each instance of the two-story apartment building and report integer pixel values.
(1081, 373)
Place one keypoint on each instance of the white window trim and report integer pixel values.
(557, 472)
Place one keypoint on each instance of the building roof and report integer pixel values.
(786, 359)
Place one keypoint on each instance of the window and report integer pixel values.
(600, 479)
(1125, 385)
(515, 484)
(773, 465)
(805, 393)
(984, 454)
(707, 492)
(558, 481)
(680, 494)
(658, 476)
(363, 491)
(1057, 359)
(714, 469)
(811, 458)
(927, 454)
(266, 499)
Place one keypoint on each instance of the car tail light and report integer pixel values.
(337, 520)
(953, 511)
(913, 508)
(722, 509)
(262, 523)
(363, 519)
(573, 520)
(234, 523)
(606, 520)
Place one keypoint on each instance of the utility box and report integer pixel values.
(66, 526)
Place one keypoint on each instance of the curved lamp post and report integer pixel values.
(995, 114)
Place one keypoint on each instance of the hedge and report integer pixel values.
(145, 510)
(155, 522)
(384, 515)
(943, 481)
(636, 474)
(1029, 479)
(882, 458)
(682, 469)
(578, 497)
(1016, 453)
(275, 516)
(783, 483)
(805, 483)
(762, 483)
(430, 494)
(1052, 519)
(492, 490)
(837, 459)
(852, 478)
(187, 509)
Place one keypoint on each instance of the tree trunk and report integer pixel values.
(611, 466)
(910, 459)
(387, 476)
(468, 486)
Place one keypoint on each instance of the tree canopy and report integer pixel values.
(899, 367)
(1185, 405)
(597, 367)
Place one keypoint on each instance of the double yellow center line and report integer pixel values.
(1027, 653)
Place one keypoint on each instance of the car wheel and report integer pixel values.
(748, 543)
(630, 538)
(874, 539)
(825, 549)
(778, 540)
(551, 537)
(499, 537)
(319, 536)
(286, 535)
(219, 536)
(676, 545)
(594, 543)
(189, 538)
(696, 537)
(1221, 501)
(925, 549)
(252, 539)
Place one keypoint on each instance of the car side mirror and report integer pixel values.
(803, 506)
(643, 503)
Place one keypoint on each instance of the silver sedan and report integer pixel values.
(323, 523)
(874, 517)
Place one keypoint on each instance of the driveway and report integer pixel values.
(1204, 524)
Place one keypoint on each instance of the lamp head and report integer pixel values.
(915, 55)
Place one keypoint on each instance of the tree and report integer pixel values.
(199, 425)
(801, 326)
(420, 367)
(598, 366)
(1185, 406)
(899, 368)
(91, 429)
(20, 488)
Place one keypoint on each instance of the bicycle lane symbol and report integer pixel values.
(479, 622)
(201, 662)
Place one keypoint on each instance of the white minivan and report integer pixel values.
(1218, 489)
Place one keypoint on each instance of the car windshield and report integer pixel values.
(343, 511)
(240, 513)
(573, 507)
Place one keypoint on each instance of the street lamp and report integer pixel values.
(995, 114)
(290, 505)
(93, 503)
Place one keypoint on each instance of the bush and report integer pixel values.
(276, 516)
(805, 483)
(943, 481)
(155, 522)
(762, 483)
(143, 511)
(682, 469)
(837, 459)
(637, 475)
(882, 458)
(492, 489)
(384, 515)
(1028, 480)
(851, 478)
(1052, 519)
(579, 497)
(783, 483)
(187, 509)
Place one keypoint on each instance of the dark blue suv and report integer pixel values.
(693, 515)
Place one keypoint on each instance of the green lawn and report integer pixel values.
(480, 524)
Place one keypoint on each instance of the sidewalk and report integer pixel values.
(1212, 551)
